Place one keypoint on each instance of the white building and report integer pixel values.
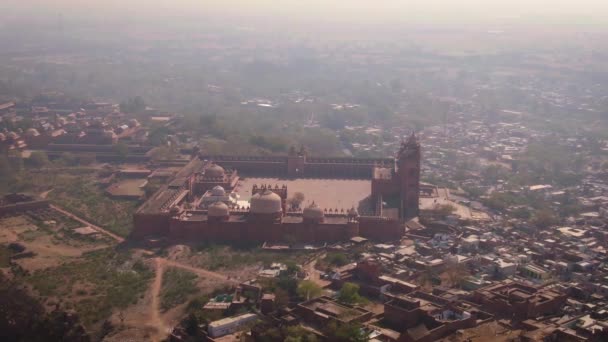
(230, 325)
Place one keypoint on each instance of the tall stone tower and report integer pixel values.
(408, 171)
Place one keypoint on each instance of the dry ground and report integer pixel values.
(143, 320)
(50, 250)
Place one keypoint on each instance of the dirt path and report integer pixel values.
(199, 271)
(45, 194)
(97, 228)
(155, 315)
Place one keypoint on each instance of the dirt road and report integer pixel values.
(155, 316)
(199, 271)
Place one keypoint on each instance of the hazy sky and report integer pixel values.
(339, 10)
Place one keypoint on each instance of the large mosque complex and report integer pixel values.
(237, 198)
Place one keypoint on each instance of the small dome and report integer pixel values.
(313, 212)
(218, 191)
(32, 132)
(12, 135)
(266, 202)
(214, 171)
(353, 212)
(218, 209)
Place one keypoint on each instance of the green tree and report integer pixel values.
(308, 289)
(337, 259)
(292, 268)
(298, 334)
(348, 332)
(270, 335)
(349, 293)
(288, 284)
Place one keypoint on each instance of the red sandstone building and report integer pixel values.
(200, 204)
(513, 299)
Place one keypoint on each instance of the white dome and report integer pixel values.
(214, 171)
(218, 209)
(218, 191)
(313, 212)
(266, 202)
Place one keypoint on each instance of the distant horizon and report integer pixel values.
(400, 12)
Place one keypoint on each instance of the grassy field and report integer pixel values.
(178, 285)
(94, 286)
(222, 257)
(76, 191)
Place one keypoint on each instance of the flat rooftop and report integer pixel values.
(326, 193)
